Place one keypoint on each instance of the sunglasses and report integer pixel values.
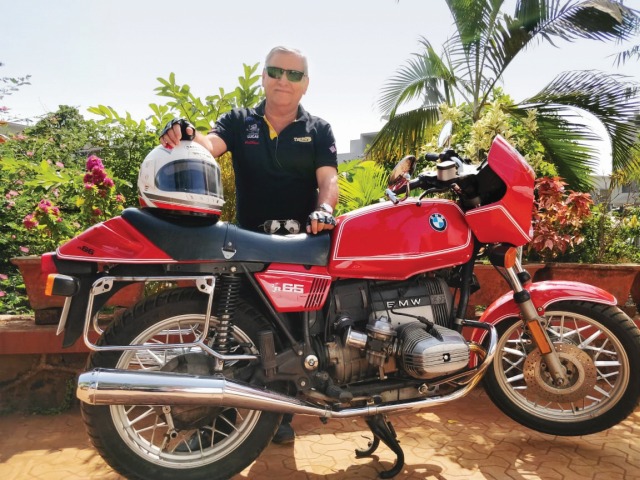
(292, 75)
(273, 226)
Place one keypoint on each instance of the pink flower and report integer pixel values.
(88, 186)
(3, 276)
(59, 164)
(108, 182)
(93, 162)
(24, 249)
(99, 176)
(2, 293)
(29, 223)
(120, 198)
(29, 154)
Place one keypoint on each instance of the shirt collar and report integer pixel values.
(302, 113)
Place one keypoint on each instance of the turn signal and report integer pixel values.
(503, 255)
(510, 257)
(62, 285)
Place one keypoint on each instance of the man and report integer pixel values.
(284, 160)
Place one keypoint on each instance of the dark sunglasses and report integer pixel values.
(292, 75)
(272, 226)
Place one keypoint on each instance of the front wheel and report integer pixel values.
(185, 442)
(599, 347)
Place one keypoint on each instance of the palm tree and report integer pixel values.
(474, 60)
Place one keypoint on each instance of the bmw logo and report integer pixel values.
(438, 222)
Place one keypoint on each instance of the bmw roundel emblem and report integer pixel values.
(438, 222)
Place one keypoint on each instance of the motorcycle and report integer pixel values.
(366, 321)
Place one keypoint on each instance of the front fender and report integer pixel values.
(542, 294)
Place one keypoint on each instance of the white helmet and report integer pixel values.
(184, 179)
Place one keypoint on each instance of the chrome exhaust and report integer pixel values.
(137, 387)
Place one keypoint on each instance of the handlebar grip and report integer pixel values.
(432, 157)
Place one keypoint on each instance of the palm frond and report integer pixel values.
(623, 57)
(426, 76)
(603, 20)
(472, 19)
(568, 143)
(364, 185)
(403, 134)
(612, 99)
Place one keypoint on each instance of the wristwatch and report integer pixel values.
(325, 207)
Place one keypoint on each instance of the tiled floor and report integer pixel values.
(468, 439)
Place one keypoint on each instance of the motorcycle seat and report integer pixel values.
(196, 239)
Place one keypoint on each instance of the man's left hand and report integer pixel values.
(319, 221)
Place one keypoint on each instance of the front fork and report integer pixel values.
(533, 323)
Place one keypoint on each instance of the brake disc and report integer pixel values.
(580, 371)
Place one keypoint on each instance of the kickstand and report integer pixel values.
(383, 431)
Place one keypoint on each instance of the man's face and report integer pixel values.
(282, 92)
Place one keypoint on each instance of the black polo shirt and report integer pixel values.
(275, 178)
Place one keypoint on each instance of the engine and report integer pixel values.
(383, 327)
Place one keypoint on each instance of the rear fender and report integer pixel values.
(542, 294)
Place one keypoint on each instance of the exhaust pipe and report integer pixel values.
(137, 387)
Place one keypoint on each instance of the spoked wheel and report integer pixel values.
(187, 442)
(599, 348)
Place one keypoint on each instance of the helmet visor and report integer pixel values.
(190, 176)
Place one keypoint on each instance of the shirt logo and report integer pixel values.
(438, 222)
(253, 131)
(302, 139)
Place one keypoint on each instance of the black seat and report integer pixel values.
(186, 238)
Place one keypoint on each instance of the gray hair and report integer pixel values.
(288, 50)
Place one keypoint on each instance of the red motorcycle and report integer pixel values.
(366, 321)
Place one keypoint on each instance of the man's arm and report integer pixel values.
(327, 186)
(327, 178)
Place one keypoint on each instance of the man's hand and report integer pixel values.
(176, 130)
(319, 221)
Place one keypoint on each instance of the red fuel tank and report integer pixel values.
(394, 242)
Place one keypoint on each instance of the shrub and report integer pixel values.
(558, 218)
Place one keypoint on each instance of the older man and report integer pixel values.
(284, 159)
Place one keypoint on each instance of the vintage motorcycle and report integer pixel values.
(365, 321)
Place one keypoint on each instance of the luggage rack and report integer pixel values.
(204, 284)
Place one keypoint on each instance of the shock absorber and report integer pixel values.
(225, 304)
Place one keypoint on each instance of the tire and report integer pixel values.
(600, 347)
(212, 443)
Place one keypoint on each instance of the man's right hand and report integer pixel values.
(176, 130)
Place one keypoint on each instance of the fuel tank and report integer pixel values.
(387, 241)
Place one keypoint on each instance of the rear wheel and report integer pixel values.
(191, 443)
(599, 347)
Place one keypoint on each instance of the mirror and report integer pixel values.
(445, 134)
(401, 174)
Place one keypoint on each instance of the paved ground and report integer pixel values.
(469, 439)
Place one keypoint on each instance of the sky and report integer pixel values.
(89, 53)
